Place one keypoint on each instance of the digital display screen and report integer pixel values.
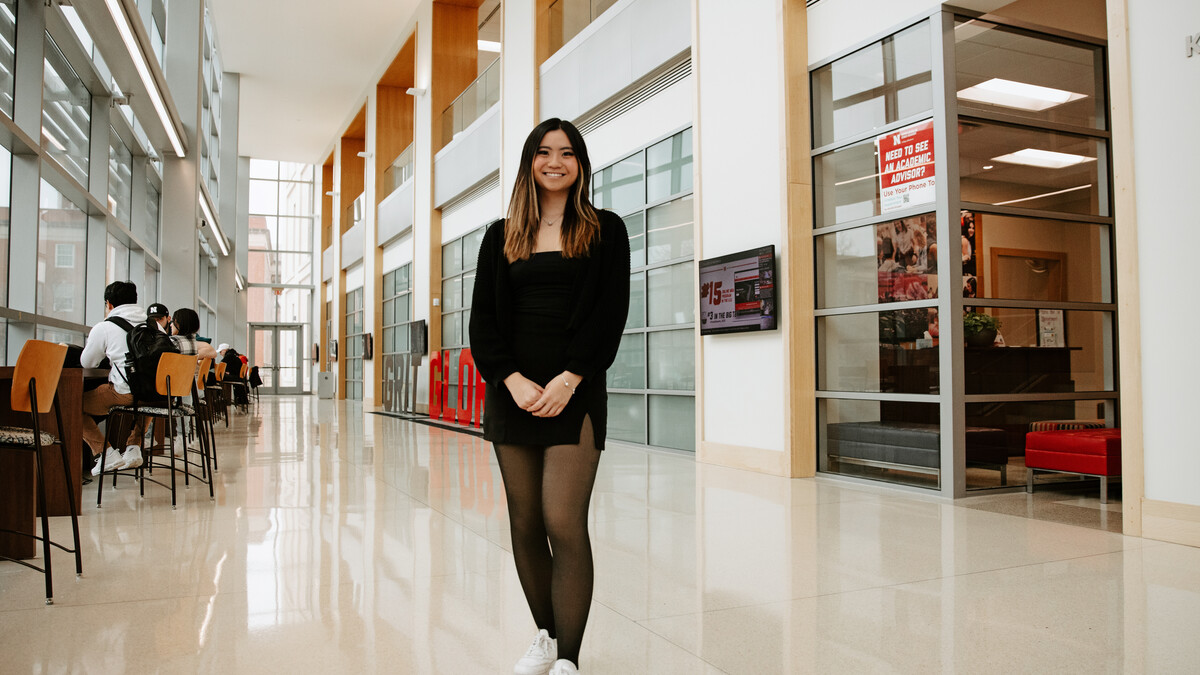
(737, 292)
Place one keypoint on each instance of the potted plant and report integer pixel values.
(980, 329)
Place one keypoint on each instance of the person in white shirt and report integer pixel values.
(107, 339)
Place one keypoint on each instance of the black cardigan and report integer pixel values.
(601, 286)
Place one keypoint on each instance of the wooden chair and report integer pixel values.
(220, 403)
(233, 386)
(206, 411)
(174, 379)
(35, 391)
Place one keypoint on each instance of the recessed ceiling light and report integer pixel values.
(988, 167)
(488, 46)
(1019, 95)
(1046, 159)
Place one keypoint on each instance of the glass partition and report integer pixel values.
(1027, 168)
(1015, 72)
(5, 219)
(569, 17)
(892, 441)
(120, 177)
(879, 84)
(892, 261)
(62, 257)
(399, 171)
(66, 114)
(883, 352)
(476, 99)
(8, 41)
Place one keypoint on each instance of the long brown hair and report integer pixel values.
(581, 222)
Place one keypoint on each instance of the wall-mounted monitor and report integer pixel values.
(737, 292)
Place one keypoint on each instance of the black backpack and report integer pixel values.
(146, 344)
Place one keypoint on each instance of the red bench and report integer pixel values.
(1087, 452)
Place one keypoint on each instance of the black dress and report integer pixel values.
(540, 317)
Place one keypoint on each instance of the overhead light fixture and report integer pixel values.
(1019, 95)
(988, 167)
(365, 155)
(488, 46)
(237, 278)
(208, 218)
(413, 91)
(331, 193)
(143, 68)
(1045, 159)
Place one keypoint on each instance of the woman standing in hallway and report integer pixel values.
(548, 309)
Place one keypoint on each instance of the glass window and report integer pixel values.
(470, 248)
(151, 285)
(66, 114)
(669, 232)
(1016, 72)
(669, 167)
(846, 185)
(452, 294)
(1045, 351)
(635, 225)
(892, 352)
(1028, 168)
(120, 177)
(670, 295)
(893, 261)
(637, 301)
(8, 38)
(891, 441)
(673, 360)
(1012, 420)
(875, 86)
(627, 418)
(619, 187)
(150, 228)
(61, 226)
(673, 421)
(264, 197)
(1036, 259)
(629, 369)
(452, 258)
(263, 168)
(117, 258)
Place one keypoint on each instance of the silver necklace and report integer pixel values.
(552, 221)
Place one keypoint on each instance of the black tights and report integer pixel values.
(548, 492)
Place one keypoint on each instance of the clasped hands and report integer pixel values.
(540, 401)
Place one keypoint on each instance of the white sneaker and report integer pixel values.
(132, 458)
(112, 461)
(538, 658)
(563, 667)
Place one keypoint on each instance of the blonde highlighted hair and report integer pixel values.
(581, 222)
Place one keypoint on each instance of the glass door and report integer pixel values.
(276, 350)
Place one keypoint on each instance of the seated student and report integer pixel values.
(160, 315)
(183, 328)
(233, 370)
(107, 339)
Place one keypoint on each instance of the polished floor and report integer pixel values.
(348, 543)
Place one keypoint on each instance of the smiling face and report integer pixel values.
(555, 167)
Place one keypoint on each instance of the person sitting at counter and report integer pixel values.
(108, 339)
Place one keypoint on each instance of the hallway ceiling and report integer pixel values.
(305, 67)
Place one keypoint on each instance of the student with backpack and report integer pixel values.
(109, 339)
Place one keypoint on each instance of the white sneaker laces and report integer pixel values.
(539, 648)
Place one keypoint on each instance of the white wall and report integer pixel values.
(481, 210)
(740, 144)
(664, 113)
(1166, 99)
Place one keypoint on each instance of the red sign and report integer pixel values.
(906, 167)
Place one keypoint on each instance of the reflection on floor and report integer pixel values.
(347, 542)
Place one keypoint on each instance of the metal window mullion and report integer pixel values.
(1017, 121)
(1047, 396)
(870, 134)
(993, 209)
(909, 212)
(877, 396)
(951, 385)
(1042, 304)
(931, 303)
